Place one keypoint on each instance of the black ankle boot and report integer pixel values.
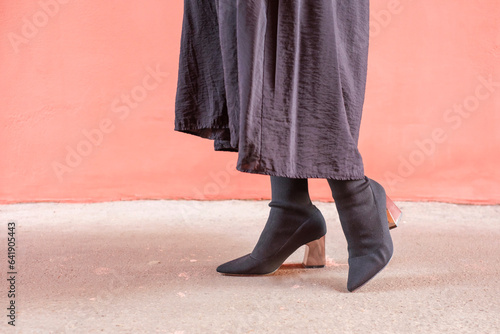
(293, 221)
(361, 205)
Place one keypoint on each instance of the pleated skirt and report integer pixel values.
(280, 82)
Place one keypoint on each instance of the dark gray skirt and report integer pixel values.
(281, 82)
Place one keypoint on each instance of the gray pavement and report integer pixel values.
(149, 267)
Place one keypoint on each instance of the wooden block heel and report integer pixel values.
(393, 213)
(314, 256)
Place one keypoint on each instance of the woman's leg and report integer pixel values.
(361, 205)
(293, 221)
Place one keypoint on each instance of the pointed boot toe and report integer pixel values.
(245, 265)
(362, 269)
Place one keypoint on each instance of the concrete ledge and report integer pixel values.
(149, 267)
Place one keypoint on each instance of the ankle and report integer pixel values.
(290, 192)
(291, 207)
(345, 189)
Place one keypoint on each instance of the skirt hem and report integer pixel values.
(349, 177)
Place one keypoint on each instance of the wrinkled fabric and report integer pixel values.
(281, 82)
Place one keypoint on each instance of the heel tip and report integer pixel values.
(314, 267)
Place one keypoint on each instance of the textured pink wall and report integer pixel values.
(88, 87)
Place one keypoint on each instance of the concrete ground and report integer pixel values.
(149, 267)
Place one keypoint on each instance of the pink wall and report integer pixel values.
(88, 87)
